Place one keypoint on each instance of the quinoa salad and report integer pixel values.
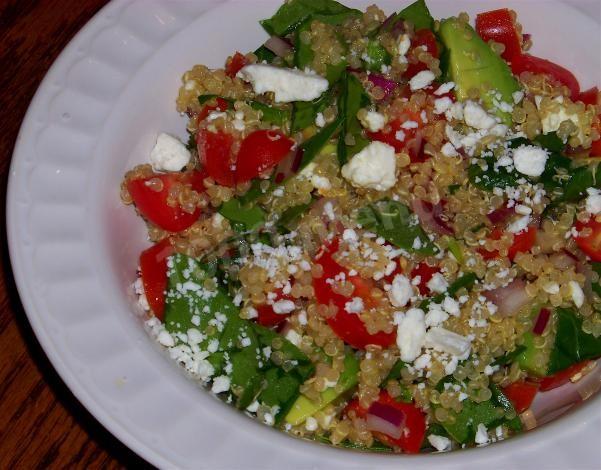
(383, 232)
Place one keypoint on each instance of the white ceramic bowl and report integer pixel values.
(74, 247)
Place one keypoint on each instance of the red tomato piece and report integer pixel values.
(267, 316)
(153, 204)
(347, 326)
(259, 152)
(220, 105)
(590, 96)
(562, 377)
(596, 148)
(425, 272)
(530, 63)
(590, 244)
(235, 64)
(521, 394)
(153, 270)
(215, 154)
(522, 243)
(422, 38)
(415, 423)
(498, 26)
(410, 139)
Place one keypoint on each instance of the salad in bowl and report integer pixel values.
(382, 232)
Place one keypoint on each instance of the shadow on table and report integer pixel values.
(92, 427)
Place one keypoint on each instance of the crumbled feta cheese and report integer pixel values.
(522, 209)
(444, 88)
(475, 116)
(287, 84)
(410, 125)
(576, 293)
(221, 384)
(517, 96)
(311, 424)
(435, 316)
(403, 47)
(448, 150)
(374, 121)
(593, 201)
(530, 160)
(355, 305)
(321, 182)
(349, 235)
(451, 306)
(165, 339)
(374, 167)
(283, 306)
(320, 120)
(551, 288)
(519, 225)
(399, 135)
(481, 435)
(401, 291)
(411, 333)
(440, 443)
(550, 121)
(438, 283)
(421, 80)
(293, 337)
(448, 342)
(169, 154)
(441, 105)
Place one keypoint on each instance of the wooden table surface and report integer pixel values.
(42, 425)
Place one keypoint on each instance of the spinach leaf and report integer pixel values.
(303, 53)
(393, 221)
(271, 114)
(395, 372)
(572, 344)
(335, 71)
(466, 281)
(253, 193)
(202, 99)
(352, 98)
(417, 13)
(305, 112)
(581, 178)
(491, 178)
(550, 141)
(290, 215)
(243, 218)
(291, 14)
(597, 285)
(313, 146)
(509, 357)
(264, 55)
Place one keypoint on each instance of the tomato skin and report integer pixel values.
(596, 148)
(522, 243)
(415, 423)
(412, 141)
(215, 154)
(590, 96)
(260, 151)
(267, 317)
(425, 272)
(498, 26)
(590, 245)
(153, 271)
(530, 63)
(235, 64)
(425, 38)
(562, 377)
(521, 394)
(347, 326)
(153, 204)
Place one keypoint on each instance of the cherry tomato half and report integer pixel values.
(590, 244)
(153, 270)
(499, 26)
(530, 63)
(521, 394)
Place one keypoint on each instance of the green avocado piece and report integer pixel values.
(471, 63)
(303, 407)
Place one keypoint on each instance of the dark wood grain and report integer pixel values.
(42, 425)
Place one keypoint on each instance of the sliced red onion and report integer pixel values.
(509, 299)
(387, 85)
(563, 260)
(278, 46)
(548, 405)
(500, 215)
(385, 419)
(431, 217)
(289, 165)
(541, 321)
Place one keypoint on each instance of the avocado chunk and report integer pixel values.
(303, 407)
(471, 63)
(533, 360)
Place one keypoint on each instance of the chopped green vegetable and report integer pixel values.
(270, 114)
(376, 56)
(550, 141)
(290, 215)
(394, 221)
(572, 344)
(455, 249)
(509, 357)
(352, 98)
(395, 372)
(291, 14)
(264, 55)
(453, 188)
(418, 14)
(242, 217)
(202, 99)
(465, 281)
(313, 146)
(303, 53)
(491, 177)
(305, 112)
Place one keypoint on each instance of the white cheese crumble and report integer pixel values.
(320, 121)
(169, 154)
(519, 225)
(593, 201)
(355, 305)
(311, 424)
(374, 121)
(440, 443)
(530, 160)
(448, 150)
(421, 80)
(287, 84)
(441, 105)
(220, 384)
(444, 88)
(438, 283)
(475, 116)
(576, 293)
(283, 306)
(403, 47)
(401, 291)
(411, 333)
(374, 167)
(448, 342)
(481, 435)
